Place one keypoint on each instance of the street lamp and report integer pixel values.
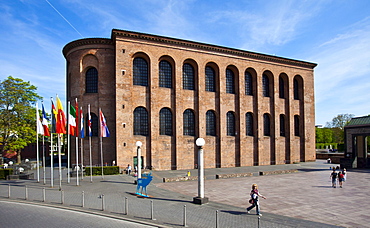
(200, 199)
(138, 145)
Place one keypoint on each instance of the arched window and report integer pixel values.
(211, 123)
(210, 79)
(230, 121)
(266, 125)
(165, 122)
(94, 124)
(230, 85)
(297, 125)
(188, 77)
(141, 124)
(189, 122)
(282, 125)
(140, 72)
(91, 82)
(165, 74)
(281, 87)
(265, 85)
(249, 123)
(296, 89)
(248, 83)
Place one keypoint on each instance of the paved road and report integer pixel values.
(14, 214)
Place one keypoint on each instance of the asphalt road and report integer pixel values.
(13, 214)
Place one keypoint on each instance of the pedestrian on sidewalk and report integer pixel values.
(333, 177)
(345, 174)
(341, 179)
(255, 200)
(129, 169)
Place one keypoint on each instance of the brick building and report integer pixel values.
(251, 108)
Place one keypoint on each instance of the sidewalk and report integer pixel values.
(302, 199)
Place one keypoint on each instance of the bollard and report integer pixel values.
(83, 199)
(126, 206)
(152, 210)
(25, 192)
(216, 218)
(102, 202)
(259, 218)
(185, 217)
(43, 194)
(61, 197)
(9, 191)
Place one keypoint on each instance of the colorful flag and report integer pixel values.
(54, 115)
(89, 121)
(61, 118)
(72, 120)
(104, 132)
(45, 122)
(82, 133)
(76, 108)
(40, 129)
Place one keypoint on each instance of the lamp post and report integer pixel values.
(138, 145)
(200, 199)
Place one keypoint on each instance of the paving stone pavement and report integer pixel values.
(301, 199)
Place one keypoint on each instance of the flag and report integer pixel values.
(89, 121)
(45, 122)
(54, 114)
(82, 133)
(61, 118)
(40, 129)
(72, 121)
(104, 132)
(76, 108)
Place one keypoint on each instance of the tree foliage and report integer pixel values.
(340, 121)
(17, 111)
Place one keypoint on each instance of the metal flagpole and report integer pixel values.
(51, 147)
(43, 157)
(82, 145)
(68, 143)
(60, 161)
(76, 132)
(37, 144)
(90, 142)
(101, 144)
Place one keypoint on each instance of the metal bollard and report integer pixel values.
(126, 206)
(26, 193)
(216, 218)
(102, 202)
(259, 218)
(185, 217)
(152, 210)
(43, 194)
(9, 191)
(83, 199)
(61, 197)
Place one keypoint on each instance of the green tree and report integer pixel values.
(17, 122)
(340, 121)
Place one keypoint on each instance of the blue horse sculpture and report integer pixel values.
(142, 183)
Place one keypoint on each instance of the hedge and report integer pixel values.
(5, 172)
(108, 170)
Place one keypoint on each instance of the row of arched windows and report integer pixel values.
(141, 123)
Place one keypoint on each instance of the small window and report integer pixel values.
(265, 85)
(188, 77)
(230, 121)
(91, 80)
(296, 89)
(189, 122)
(266, 125)
(249, 123)
(210, 123)
(297, 126)
(248, 84)
(165, 122)
(141, 123)
(281, 87)
(140, 72)
(282, 125)
(165, 74)
(210, 79)
(230, 84)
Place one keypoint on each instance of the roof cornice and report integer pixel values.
(86, 41)
(209, 47)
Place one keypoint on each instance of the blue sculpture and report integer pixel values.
(142, 183)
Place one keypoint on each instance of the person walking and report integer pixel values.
(341, 179)
(255, 200)
(128, 169)
(333, 177)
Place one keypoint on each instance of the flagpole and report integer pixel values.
(90, 143)
(37, 144)
(43, 158)
(82, 145)
(101, 145)
(68, 143)
(76, 142)
(51, 147)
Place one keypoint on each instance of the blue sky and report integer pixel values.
(335, 34)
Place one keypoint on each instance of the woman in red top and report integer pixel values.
(255, 195)
(341, 179)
